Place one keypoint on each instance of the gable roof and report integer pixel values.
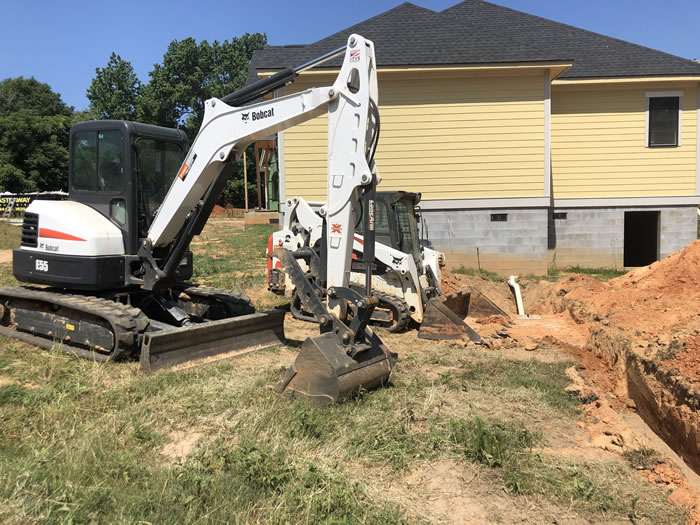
(478, 32)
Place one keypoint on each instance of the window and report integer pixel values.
(663, 119)
(382, 233)
(157, 162)
(499, 217)
(560, 216)
(97, 164)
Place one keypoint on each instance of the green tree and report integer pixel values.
(114, 92)
(193, 72)
(34, 125)
(31, 95)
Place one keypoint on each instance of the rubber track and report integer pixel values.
(127, 322)
(237, 303)
(396, 304)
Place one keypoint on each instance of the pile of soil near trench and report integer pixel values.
(646, 325)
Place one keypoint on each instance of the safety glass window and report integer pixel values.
(97, 161)
(158, 162)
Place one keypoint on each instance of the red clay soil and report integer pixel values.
(654, 300)
(218, 211)
(687, 363)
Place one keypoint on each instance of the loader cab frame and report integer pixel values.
(396, 224)
(123, 170)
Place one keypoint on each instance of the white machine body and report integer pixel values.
(72, 228)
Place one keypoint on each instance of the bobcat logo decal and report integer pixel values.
(396, 260)
(245, 116)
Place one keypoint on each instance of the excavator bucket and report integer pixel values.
(324, 373)
(212, 341)
(444, 316)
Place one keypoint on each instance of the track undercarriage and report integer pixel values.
(180, 325)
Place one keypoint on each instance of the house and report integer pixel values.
(532, 142)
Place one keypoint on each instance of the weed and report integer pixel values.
(260, 467)
(309, 421)
(491, 443)
(642, 458)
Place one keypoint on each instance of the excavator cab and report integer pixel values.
(123, 170)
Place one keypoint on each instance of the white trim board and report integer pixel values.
(547, 135)
(654, 94)
(472, 204)
(546, 202)
(697, 141)
(610, 202)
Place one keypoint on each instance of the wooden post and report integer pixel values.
(257, 176)
(245, 180)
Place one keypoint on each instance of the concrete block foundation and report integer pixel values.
(530, 240)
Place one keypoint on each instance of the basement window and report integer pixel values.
(560, 216)
(663, 119)
(499, 217)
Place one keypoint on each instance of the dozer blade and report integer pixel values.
(324, 373)
(443, 318)
(212, 341)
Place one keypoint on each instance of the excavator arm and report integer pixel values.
(347, 355)
(226, 130)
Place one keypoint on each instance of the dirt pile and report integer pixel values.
(653, 300)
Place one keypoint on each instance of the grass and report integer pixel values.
(9, 236)
(83, 442)
(491, 276)
(602, 274)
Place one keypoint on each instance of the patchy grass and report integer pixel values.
(491, 276)
(235, 259)
(83, 442)
(602, 274)
(9, 236)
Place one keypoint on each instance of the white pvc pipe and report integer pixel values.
(518, 298)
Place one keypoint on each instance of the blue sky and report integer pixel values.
(62, 43)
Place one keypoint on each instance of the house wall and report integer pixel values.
(598, 144)
(449, 136)
(595, 237)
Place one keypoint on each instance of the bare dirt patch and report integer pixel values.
(5, 256)
(181, 445)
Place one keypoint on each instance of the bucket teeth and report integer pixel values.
(324, 373)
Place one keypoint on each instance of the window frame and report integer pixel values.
(664, 94)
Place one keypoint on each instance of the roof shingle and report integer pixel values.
(478, 32)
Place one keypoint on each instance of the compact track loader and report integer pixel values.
(114, 259)
(406, 276)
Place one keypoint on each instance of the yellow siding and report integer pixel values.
(598, 144)
(448, 138)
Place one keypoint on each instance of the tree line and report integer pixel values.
(34, 120)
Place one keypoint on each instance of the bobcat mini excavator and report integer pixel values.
(116, 258)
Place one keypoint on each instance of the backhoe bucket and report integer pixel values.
(444, 317)
(324, 373)
(213, 341)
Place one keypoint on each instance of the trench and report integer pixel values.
(668, 405)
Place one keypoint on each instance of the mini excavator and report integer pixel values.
(114, 258)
